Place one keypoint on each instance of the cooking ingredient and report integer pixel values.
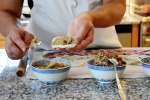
(103, 60)
(49, 65)
(62, 40)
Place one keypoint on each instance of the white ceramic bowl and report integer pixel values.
(51, 75)
(146, 66)
(104, 74)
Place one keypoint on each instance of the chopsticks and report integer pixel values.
(120, 88)
(121, 91)
(22, 66)
(21, 70)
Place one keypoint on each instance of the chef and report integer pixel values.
(88, 22)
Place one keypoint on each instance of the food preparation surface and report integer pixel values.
(14, 88)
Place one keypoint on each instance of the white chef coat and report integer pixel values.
(51, 18)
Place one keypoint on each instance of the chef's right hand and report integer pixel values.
(17, 43)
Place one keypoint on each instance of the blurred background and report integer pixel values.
(133, 30)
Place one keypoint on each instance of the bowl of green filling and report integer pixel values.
(103, 70)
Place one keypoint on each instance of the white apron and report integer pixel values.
(52, 17)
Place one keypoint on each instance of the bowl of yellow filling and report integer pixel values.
(52, 71)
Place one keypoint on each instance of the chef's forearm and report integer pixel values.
(108, 14)
(7, 22)
(10, 10)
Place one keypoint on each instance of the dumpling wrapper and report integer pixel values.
(62, 45)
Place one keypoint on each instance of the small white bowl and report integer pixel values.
(104, 74)
(51, 75)
(146, 66)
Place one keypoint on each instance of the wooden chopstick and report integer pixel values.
(21, 70)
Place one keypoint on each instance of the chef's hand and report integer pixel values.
(17, 43)
(82, 31)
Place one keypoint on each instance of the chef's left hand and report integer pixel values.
(82, 31)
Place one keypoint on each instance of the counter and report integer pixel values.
(15, 88)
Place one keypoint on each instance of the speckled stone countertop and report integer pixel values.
(14, 88)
